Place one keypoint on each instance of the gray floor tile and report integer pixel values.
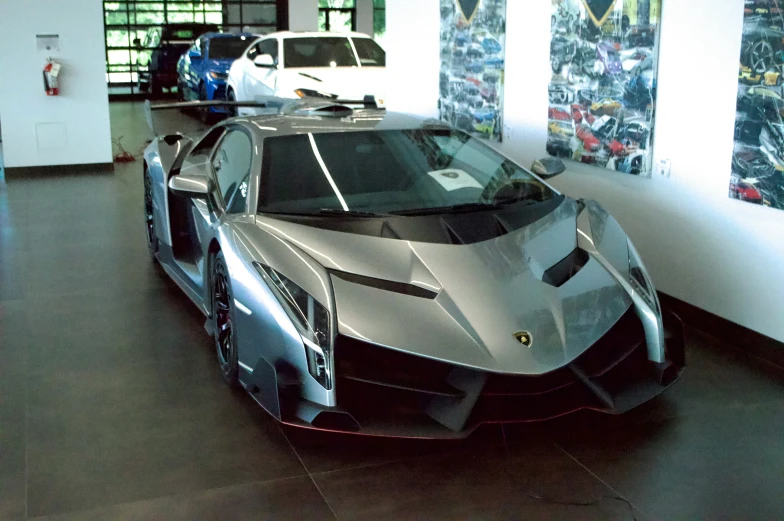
(473, 485)
(727, 465)
(288, 499)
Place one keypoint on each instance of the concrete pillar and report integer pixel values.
(364, 16)
(303, 15)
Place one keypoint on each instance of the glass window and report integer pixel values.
(232, 163)
(318, 52)
(389, 171)
(379, 19)
(201, 152)
(370, 54)
(339, 4)
(127, 20)
(227, 48)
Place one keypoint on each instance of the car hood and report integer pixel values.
(480, 294)
(348, 83)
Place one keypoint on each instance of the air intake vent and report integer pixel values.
(559, 274)
(331, 110)
(386, 285)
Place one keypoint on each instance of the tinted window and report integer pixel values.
(370, 53)
(226, 48)
(265, 47)
(318, 52)
(232, 168)
(389, 171)
(202, 150)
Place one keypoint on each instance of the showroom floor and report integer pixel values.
(111, 406)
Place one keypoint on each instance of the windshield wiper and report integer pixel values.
(349, 213)
(457, 208)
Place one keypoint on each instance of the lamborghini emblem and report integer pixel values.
(468, 8)
(525, 338)
(599, 10)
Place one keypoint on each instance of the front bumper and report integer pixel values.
(217, 90)
(387, 393)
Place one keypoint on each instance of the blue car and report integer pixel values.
(204, 69)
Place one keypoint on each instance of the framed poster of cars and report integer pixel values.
(758, 157)
(602, 94)
(473, 35)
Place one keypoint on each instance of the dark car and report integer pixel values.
(747, 130)
(562, 51)
(641, 36)
(162, 47)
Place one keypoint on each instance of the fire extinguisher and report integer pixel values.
(51, 81)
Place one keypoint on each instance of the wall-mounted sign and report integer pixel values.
(602, 94)
(758, 157)
(47, 42)
(473, 36)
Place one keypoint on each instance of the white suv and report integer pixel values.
(346, 66)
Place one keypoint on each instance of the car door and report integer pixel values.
(192, 221)
(260, 82)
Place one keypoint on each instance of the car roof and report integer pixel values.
(229, 35)
(305, 122)
(313, 34)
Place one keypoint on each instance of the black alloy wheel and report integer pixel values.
(149, 216)
(761, 56)
(231, 110)
(223, 313)
(204, 112)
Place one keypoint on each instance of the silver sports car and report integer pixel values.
(371, 272)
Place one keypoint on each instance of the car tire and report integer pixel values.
(180, 91)
(149, 216)
(225, 336)
(761, 56)
(230, 110)
(205, 116)
(155, 88)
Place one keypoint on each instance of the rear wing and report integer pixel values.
(312, 106)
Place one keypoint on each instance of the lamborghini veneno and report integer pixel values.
(372, 272)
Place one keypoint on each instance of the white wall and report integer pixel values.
(722, 255)
(413, 55)
(303, 15)
(72, 128)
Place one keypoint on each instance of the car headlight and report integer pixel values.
(308, 93)
(640, 280)
(219, 75)
(309, 317)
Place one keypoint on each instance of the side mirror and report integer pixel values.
(196, 186)
(548, 167)
(194, 54)
(137, 42)
(264, 60)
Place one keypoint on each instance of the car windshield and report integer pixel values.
(390, 171)
(318, 52)
(227, 48)
(370, 53)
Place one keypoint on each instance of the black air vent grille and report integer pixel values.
(559, 274)
(386, 285)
